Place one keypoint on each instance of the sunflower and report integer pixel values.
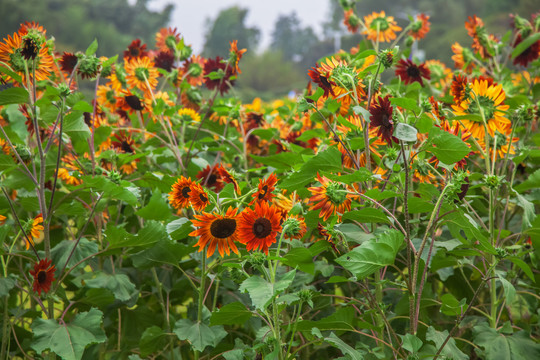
(189, 115)
(459, 88)
(142, 74)
(321, 78)
(227, 177)
(67, 177)
(409, 72)
(422, 172)
(234, 56)
(328, 234)
(351, 21)
(380, 27)
(258, 228)
(504, 145)
(107, 97)
(381, 117)
(420, 27)
(167, 38)
(488, 100)
(43, 274)
(294, 227)
(164, 60)
(217, 230)
(11, 53)
(135, 50)
(529, 54)
(441, 76)
(347, 131)
(198, 197)
(217, 74)
(193, 70)
(463, 58)
(266, 187)
(2, 220)
(179, 195)
(482, 42)
(130, 102)
(211, 178)
(36, 231)
(331, 197)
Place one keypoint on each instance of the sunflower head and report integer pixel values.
(43, 274)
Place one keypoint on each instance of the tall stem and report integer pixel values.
(201, 294)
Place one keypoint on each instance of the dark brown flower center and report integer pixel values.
(212, 179)
(29, 49)
(203, 198)
(413, 71)
(42, 276)
(185, 191)
(262, 227)
(223, 228)
(134, 102)
(263, 191)
(126, 147)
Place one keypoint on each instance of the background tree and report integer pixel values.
(229, 25)
(291, 38)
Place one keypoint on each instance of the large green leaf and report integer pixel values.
(344, 319)
(531, 182)
(300, 257)
(448, 148)
(119, 284)
(14, 95)
(61, 252)
(372, 255)
(407, 104)
(450, 350)
(199, 335)
(282, 161)
(6, 284)
(68, 340)
(231, 314)
(156, 209)
(262, 292)
(151, 233)
(518, 346)
(367, 215)
(124, 191)
(163, 252)
(152, 340)
(340, 344)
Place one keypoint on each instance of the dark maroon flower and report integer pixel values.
(529, 54)
(409, 72)
(43, 274)
(164, 60)
(381, 117)
(322, 80)
(68, 62)
(134, 102)
(217, 66)
(135, 50)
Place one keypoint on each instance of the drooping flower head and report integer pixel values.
(258, 228)
(459, 89)
(294, 227)
(198, 197)
(227, 177)
(487, 99)
(409, 72)
(463, 58)
(179, 195)
(216, 230)
(164, 60)
(330, 197)
(43, 274)
(266, 187)
(234, 56)
(420, 27)
(380, 27)
(351, 21)
(381, 117)
(322, 80)
(211, 178)
(482, 41)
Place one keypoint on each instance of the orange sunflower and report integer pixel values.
(487, 99)
(142, 74)
(234, 56)
(380, 27)
(107, 97)
(441, 76)
(36, 231)
(217, 230)
(193, 70)
(167, 38)
(43, 274)
(420, 27)
(2, 219)
(266, 186)
(198, 197)
(16, 50)
(179, 195)
(463, 58)
(331, 198)
(258, 228)
(294, 227)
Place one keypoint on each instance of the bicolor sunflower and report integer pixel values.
(234, 56)
(330, 198)
(141, 73)
(294, 227)
(441, 75)
(227, 177)
(380, 27)
(167, 38)
(19, 49)
(488, 100)
(198, 197)
(179, 195)
(210, 178)
(381, 118)
(135, 50)
(189, 115)
(217, 74)
(107, 97)
(216, 230)
(43, 275)
(265, 189)
(420, 27)
(258, 228)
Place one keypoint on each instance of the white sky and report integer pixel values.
(189, 16)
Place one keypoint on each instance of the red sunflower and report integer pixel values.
(211, 178)
(529, 54)
(217, 74)
(381, 117)
(198, 197)
(266, 186)
(409, 72)
(258, 228)
(331, 198)
(420, 27)
(43, 274)
(179, 195)
(217, 230)
(135, 50)
(227, 177)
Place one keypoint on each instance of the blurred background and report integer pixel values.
(284, 38)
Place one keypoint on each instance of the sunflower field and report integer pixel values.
(388, 211)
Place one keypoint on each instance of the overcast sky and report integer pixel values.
(189, 16)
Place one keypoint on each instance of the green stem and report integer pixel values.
(201, 294)
(5, 330)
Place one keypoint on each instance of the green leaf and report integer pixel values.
(340, 344)
(92, 48)
(125, 191)
(367, 215)
(318, 93)
(84, 249)
(450, 350)
(407, 104)
(262, 292)
(152, 340)
(525, 44)
(523, 266)
(179, 229)
(372, 255)
(68, 340)
(11, 74)
(344, 319)
(531, 182)
(151, 233)
(509, 290)
(231, 314)
(411, 343)
(405, 132)
(6, 284)
(529, 213)
(281, 161)
(163, 252)
(518, 346)
(452, 307)
(14, 95)
(156, 209)
(119, 284)
(300, 257)
(449, 148)
(199, 335)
